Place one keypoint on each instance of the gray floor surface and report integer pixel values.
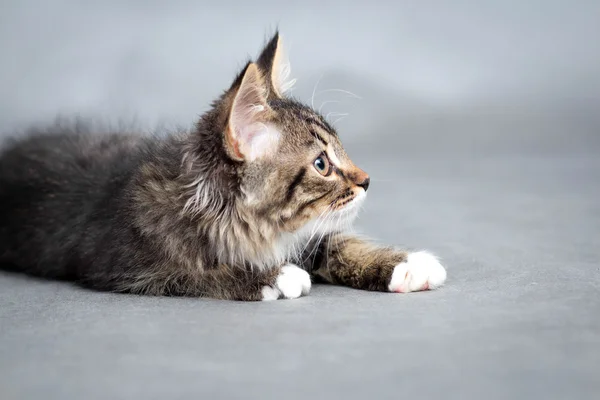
(518, 318)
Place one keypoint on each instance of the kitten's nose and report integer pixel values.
(365, 184)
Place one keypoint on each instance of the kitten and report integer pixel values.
(246, 206)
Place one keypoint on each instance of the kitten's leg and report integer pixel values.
(235, 283)
(351, 261)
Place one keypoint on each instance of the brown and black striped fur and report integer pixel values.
(212, 211)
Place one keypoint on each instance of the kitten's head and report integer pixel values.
(290, 165)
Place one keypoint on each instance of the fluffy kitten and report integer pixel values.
(241, 207)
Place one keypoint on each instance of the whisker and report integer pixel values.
(337, 120)
(312, 99)
(341, 91)
(325, 220)
(316, 247)
(327, 102)
(316, 228)
(342, 116)
(335, 114)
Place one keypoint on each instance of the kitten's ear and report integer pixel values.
(247, 135)
(276, 66)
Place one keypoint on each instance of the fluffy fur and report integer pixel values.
(229, 209)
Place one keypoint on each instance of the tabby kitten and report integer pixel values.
(246, 206)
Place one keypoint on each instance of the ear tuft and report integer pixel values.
(276, 65)
(248, 135)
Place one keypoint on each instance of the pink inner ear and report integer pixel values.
(250, 136)
(257, 140)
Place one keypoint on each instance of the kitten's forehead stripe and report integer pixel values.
(313, 121)
(319, 137)
(303, 113)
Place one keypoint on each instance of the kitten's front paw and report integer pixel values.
(291, 283)
(420, 271)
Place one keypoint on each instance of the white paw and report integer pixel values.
(421, 271)
(291, 283)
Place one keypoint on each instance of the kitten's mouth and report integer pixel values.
(337, 217)
(349, 201)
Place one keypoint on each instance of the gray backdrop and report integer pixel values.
(478, 122)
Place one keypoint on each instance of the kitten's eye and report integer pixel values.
(322, 165)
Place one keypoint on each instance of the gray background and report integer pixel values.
(479, 124)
